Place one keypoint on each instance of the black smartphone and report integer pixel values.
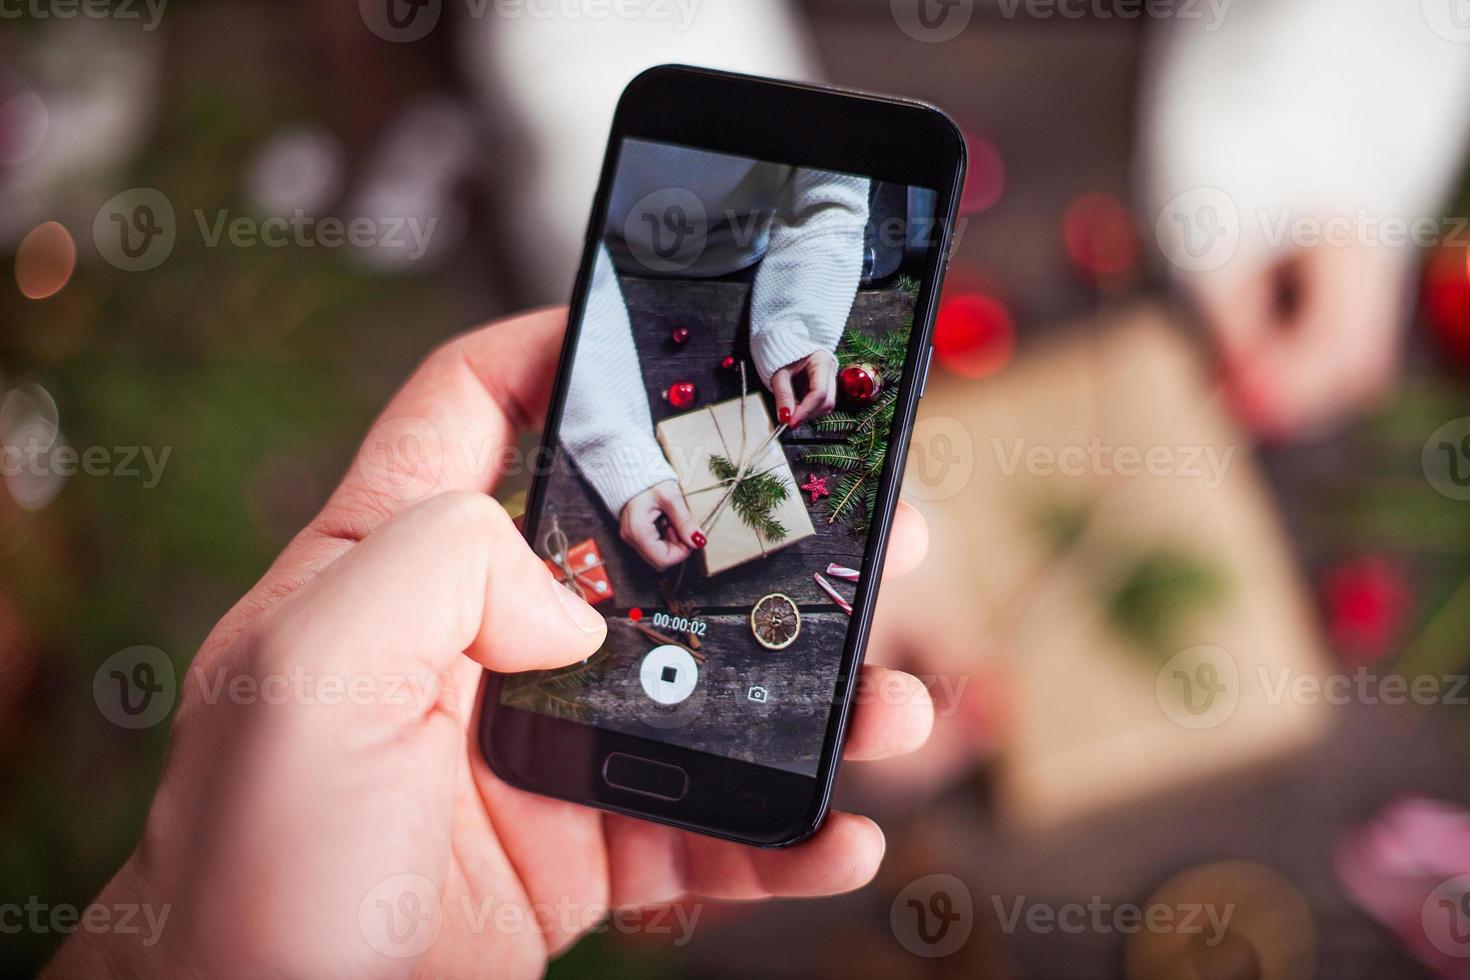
(748, 340)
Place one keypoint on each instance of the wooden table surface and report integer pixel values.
(719, 717)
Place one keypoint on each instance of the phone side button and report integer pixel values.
(924, 378)
(637, 775)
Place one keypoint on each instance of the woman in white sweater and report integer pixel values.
(694, 214)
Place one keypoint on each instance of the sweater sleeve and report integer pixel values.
(804, 287)
(1299, 109)
(606, 427)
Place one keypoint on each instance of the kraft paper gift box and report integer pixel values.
(589, 578)
(690, 439)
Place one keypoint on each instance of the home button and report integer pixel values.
(645, 776)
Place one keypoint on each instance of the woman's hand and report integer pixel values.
(1309, 339)
(639, 525)
(819, 371)
(324, 810)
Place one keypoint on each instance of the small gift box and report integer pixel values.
(581, 566)
(716, 451)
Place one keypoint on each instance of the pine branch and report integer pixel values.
(841, 456)
(754, 498)
(835, 422)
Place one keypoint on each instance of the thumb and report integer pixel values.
(451, 575)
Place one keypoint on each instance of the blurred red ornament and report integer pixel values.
(817, 487)
(1367, 603)
(681, 394)
(974, 335)
(985, 175)
(1447, 302)
(1100, 236)
(728, 363)
(859, 384)
(680, 336)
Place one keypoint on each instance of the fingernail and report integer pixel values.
(699, 539)
(784, 414)
(588, 620)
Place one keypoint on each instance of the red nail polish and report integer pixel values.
(699, 539)
(784, 414)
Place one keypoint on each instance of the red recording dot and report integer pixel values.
(635, 614)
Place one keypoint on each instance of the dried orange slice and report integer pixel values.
(775, 621)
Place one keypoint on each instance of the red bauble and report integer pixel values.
(728, 363)
(974, 335)
(1368, 601)
(680, 336)
(681, 394)
(859, 384)
(1447, 302)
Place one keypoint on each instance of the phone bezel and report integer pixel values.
(803, 125)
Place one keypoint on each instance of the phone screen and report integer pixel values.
(718, 456)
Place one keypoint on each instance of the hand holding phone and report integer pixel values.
(324, 810)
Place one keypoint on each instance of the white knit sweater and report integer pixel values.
(804, 227)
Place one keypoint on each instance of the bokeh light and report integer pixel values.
(985, 176)
(974, 335)
(1100, 236)
(45, 260)
(23, 126)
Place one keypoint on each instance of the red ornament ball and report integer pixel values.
(681, 394)
(680, 336)
(1368, 602)
(974, 335)
(1447, 302)
(859, 384)
(728, 363)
